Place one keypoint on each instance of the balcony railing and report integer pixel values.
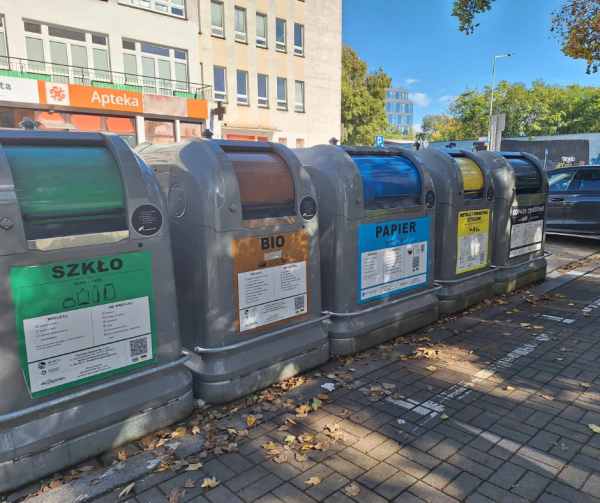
(39, 70)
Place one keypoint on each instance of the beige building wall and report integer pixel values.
(319, 68)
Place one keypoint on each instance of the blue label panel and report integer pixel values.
(392, 257)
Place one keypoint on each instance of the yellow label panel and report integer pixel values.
(271, 279)
(472, 240)
(471, 174)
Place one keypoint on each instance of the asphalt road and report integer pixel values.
(566, 249)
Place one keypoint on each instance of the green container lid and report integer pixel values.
(65, 182)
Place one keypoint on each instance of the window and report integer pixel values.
(560, 181)
(590, 181)
(299, 143)
(159, 70)
(3, 47)
(190, 130)
(220, 84)
(263, 94)
(75, 57)
(261, 30)
(159, 131)
(171, 7)
(216, 19)
(242, 87)
(281, 93)
(283, 141)
(298, 40)
(240, 24)
(280, 35)
(299, 103)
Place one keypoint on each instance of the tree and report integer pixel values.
(538, 109)
(363, 100)
(576, 24)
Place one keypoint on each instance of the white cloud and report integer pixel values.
(445, 99)
(412, 81)
(420, 99)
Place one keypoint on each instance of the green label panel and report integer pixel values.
(79, 321)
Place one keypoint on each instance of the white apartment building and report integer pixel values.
(156, 70)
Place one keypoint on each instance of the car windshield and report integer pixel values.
(560, 181)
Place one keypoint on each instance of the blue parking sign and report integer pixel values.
(379, 140)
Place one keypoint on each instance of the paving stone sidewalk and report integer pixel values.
(500, 413)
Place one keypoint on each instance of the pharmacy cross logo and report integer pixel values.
(57, 93)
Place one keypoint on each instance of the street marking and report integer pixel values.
(557, 318)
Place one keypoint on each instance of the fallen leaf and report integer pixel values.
(290, 438)
(94, 482)
(585, 384)
(510, 388)
(196, 430)
(388, 386)
(564, 447)
(352, 370)
(189, 484)
(316, 403)
(193, 467)
(127, 490)
(506, 333)
(280, 459)
(313, 481)
(445, 416)
(301, 457)
(538, 327)
(571, 304)
(352, 490)
(210, 483)
(85, 469)
(269, 446)
(594, 428)
(525, 324)
(547, 397)
(323, 397)
(55, 483)
(122, 455)
(250, 421)
(179, 432)
(431, 368)
(332, 427)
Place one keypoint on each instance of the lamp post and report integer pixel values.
(492, 99)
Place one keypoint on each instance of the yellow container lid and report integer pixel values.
(471, 174)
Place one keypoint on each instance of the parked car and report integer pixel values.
(574, 200)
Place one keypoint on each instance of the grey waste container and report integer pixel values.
(377, 209)
(90, 356)
(465, 196)
(245, 238)
(521, 186)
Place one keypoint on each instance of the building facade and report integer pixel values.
(156, 70)
(399, 109)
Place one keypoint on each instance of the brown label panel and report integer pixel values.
(272, 280)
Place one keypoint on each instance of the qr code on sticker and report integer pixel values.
(299, 303)
(138, 347)
(416, 262)
(482, 258)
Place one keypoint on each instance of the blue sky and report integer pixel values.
(418, 44)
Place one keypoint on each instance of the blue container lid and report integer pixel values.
(388, 181)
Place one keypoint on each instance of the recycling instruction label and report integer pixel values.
(272, 279)
(392, 257)
(83, 320)
(527, 229)
(472, 240)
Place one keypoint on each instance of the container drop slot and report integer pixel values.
(67, 191)
(388, 181)
(529, 178)
(266, 184)
(472, 177)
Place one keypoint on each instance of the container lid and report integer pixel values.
(67, 190)
(388, 181)
(471, 175)
(528, 175)
(265, 182)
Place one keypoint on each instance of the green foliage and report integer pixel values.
(363, 100)
(466, 10)
(540, 109)
(576, 24)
